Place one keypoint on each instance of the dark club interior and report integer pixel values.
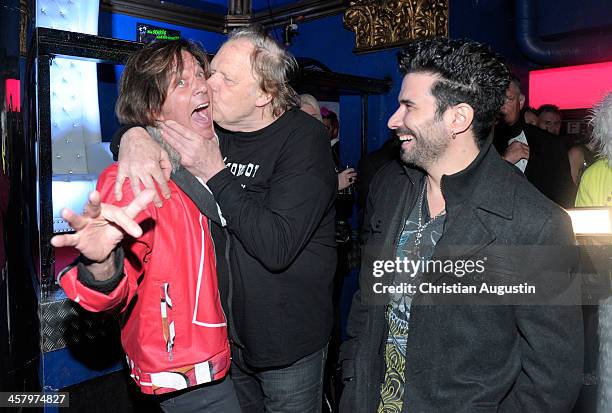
(61, 129)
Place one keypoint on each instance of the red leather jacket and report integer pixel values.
(174, 333)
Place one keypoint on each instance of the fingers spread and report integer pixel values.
(135, 185)
(76, 221)
(148, 183)
(179, 130)
(161, 180)
(119, 217)
(175, 139)
(119, 184)
(66, 240)
(92, 208)
(166, 170)
(139, 203)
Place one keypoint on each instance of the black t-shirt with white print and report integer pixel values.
(277, 194)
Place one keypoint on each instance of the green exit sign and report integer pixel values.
(146, 33)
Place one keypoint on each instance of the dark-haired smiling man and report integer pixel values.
(453, 196)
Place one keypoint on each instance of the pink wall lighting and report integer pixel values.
(571, 87)
(12, 95)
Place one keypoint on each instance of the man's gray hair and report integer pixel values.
(272, 67)
(601, 120)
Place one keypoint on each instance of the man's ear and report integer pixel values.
(522, 100)
(262, 99)
(461, 118)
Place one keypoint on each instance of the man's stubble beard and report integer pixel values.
(426, 151)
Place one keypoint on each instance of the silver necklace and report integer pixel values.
(421, 227)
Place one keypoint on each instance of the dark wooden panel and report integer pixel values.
(167, 12)
(340, 83)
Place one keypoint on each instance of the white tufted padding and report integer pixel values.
(75, 116)
(67, 118)
(70, 191)
(99, 156)
(79, 16)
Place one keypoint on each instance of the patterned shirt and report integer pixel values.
(398, 310)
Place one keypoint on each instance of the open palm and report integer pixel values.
(102, 226)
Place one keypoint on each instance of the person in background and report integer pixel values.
(580, 157)
(453, 198)
(179, 350)
(344, 203)
(346, 176)
(309, 104)
(272, 176)
(549, 119)
(596, 185)
(595, 190)
(540, 155)
(530, 116)
(330, 120)
(369, 165)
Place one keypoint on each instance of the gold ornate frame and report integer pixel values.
(383, 24)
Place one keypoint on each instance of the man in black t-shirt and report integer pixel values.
(272, 176)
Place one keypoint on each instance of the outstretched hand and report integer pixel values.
(143, 161)
(200, 155)
(101, 227)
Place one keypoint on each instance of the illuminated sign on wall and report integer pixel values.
(571, 87)
(13, 99)
(146, 33)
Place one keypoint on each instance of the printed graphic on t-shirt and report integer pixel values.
(238, 169)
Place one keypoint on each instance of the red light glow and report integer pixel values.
(572, 87)
(13, 100)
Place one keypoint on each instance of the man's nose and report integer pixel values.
(394, 121)
(213, 81)
(201, 86)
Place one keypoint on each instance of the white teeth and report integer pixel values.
(202, 106)
(405, 138)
